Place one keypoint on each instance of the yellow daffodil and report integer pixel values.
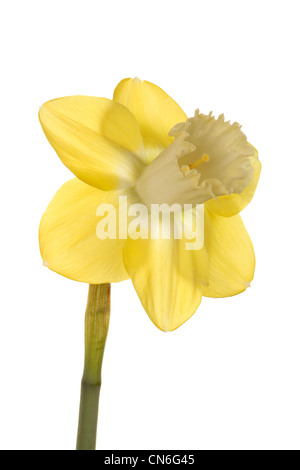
(142, 145)
(140, 150)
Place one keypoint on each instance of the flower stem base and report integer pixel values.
(96, 329)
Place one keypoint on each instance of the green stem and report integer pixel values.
(96, 328)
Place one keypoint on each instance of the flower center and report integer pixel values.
(207, 159)
(204, 158)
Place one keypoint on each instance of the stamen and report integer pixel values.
(203, 159)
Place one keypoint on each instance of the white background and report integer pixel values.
(229, 377)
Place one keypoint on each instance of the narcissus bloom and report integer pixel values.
(142, 145)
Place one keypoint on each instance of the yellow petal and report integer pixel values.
(97, 139)
(231, 255)
(166, 278)
(228, 206)
(68, 241)
(154, 110)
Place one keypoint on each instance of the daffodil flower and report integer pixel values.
(142, 148)
(142, 145)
